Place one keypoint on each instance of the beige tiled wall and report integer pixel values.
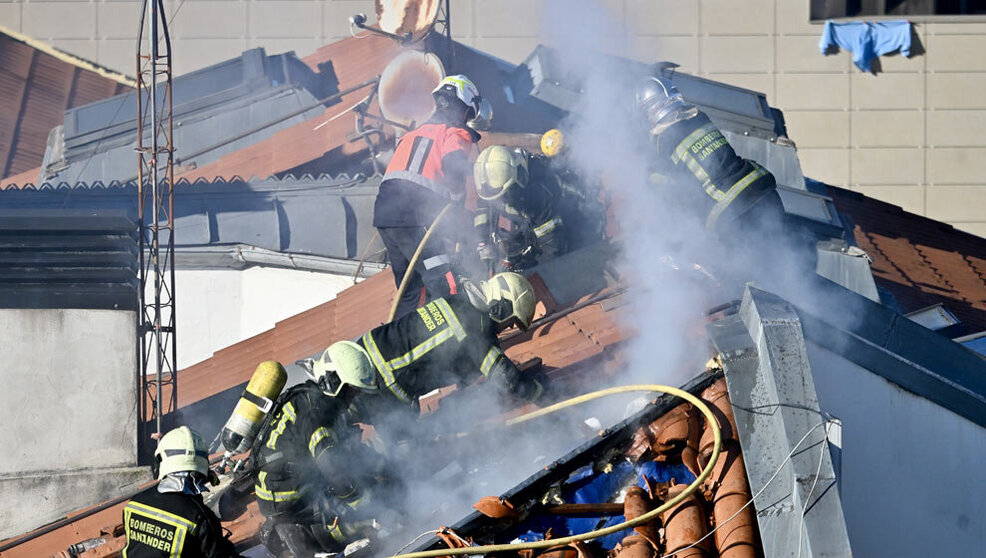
(913, 135)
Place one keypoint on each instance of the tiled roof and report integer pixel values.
(589, 335)
(920, 261)
(37, 85)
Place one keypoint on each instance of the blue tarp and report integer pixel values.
(586, 486)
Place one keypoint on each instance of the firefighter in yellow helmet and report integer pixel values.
(170, 518)
(528, 212)
(317, 482)
(450, 340)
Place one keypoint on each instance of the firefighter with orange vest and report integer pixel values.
(428, 171)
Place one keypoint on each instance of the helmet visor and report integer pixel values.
(659, 109)
(502, 312)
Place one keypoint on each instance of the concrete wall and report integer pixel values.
(68, 412)
(913, 135)
(906, 454)
(219, 308)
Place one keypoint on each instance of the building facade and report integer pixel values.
(912, 134)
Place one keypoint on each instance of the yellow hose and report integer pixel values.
(414, 261)
(713, 423)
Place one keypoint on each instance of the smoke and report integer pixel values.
(674, 268)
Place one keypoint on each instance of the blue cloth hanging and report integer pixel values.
(867, 40)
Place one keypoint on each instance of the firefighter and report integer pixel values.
(313, 472)
(429, 170)
(170, 518)
(542, 205)
(694, 159)
(450, 340)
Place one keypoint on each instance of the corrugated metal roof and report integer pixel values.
(323, 216)
(36, 88)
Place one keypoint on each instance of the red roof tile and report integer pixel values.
(37, 85)
(920, 261)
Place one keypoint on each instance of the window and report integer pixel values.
(831, 9)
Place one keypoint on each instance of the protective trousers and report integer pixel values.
(433, 272)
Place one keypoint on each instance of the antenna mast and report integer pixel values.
(156, 351)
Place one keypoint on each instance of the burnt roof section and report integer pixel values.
(920, 261)
(217, 110)
(67, 258)
(325, 217)
(37, 85)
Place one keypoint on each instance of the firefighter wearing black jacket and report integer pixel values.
(170, 518)
(429, 170)
(450, 340)
(694, 160)
(543, 211)
(314, 474)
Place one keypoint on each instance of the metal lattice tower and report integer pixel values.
(156, 349)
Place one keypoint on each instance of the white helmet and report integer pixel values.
(462, 88)
(344, 363)
(181, 449)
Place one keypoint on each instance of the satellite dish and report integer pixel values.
(406, 85)
(403, 18)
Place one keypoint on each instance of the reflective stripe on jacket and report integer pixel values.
(724, 185)
(419, 154)
(444, 342)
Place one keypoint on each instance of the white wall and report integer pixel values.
(217, 308)
(67, 400)
(911, 480)
(67, 406)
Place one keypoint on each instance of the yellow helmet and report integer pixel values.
(552, 142)
(510, 298)
(181, 449)
(497, 169)
(345, 363)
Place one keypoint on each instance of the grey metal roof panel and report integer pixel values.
(67, 258)
(210, 105)
(890, 345)
(322, 216)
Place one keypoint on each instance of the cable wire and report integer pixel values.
(818, 469)
(754, 497)
(716, 448)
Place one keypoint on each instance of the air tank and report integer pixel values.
(266, 384)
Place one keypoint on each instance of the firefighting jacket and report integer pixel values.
(311, 450)
(694, 154)
(534, 213)
(447, 341)
(428, 169)
(173, 524)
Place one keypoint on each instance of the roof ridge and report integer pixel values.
(69, 58)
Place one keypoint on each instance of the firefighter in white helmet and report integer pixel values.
(170, 518)
(429, 170)
(319, 486)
